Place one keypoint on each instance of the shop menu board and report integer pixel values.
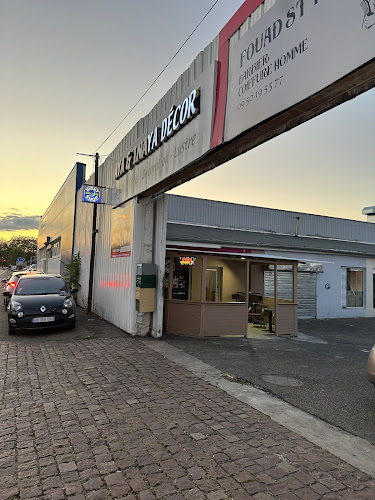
(122, 230)
(181, 275)
(180, 280)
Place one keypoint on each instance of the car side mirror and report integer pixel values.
(74, 290)
(4, 281)
(7, 294)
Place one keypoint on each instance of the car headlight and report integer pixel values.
(15, 306)
(68, 303)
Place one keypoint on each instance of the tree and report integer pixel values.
(18, 246)
(27, 244)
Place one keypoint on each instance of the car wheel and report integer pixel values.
(72, 326)
(10, 330)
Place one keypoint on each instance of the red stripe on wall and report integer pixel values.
(246, 9)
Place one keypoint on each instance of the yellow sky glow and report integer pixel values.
(7, 235)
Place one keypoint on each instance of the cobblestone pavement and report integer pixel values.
(108, 418)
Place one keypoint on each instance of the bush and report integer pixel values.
(73, 271)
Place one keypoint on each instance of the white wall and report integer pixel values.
(54, 265)
(330, 301)
(115, 278)
(329, 298)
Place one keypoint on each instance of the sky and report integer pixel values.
(72, 70)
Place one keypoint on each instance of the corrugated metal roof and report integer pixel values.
(182, 209)
(257, 240)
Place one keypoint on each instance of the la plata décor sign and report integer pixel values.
(177, 118)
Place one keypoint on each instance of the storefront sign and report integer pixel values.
(173, 135)
(122, 225)
(91, 194)
(296, 49)
(187, 261)
(177, 118)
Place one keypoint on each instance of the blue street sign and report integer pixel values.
(91, 194)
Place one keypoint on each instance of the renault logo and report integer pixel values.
(43, 309)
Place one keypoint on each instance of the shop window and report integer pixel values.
(226, 280)
(186, 277)
(55, 249)
(354, 287)
(181, 280)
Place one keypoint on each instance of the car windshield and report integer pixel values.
(41, 286)
(16, 277)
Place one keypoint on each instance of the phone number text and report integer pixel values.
(261, 92)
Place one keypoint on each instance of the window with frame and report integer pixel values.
(55, 249)
(354, 287)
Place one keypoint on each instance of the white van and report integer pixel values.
(31, 268)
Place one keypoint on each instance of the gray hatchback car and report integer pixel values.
(371, 366)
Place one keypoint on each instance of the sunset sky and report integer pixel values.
(71, 71)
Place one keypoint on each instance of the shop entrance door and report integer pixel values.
(214, 282)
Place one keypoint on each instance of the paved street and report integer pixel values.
(96, 414)
(323, 371)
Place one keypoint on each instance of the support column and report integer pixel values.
(203, 293)
(295, 300)
(144, 214)
(159, 252)
(276, 303)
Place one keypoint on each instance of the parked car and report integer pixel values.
(371, 366)
(10, 285)
(41, 301)
(30, 268)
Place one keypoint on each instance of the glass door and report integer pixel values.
(213, 284)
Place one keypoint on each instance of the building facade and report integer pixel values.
(239, 92)
(216, 258)
(57, 225)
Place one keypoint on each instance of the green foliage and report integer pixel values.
(73, 271)
(18, 246)
(27, 244)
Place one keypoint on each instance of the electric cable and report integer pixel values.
(159, 75)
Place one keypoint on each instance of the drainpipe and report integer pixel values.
(297, 226)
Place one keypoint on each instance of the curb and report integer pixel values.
(354, 450)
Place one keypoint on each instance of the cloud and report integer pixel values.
(14, 222)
